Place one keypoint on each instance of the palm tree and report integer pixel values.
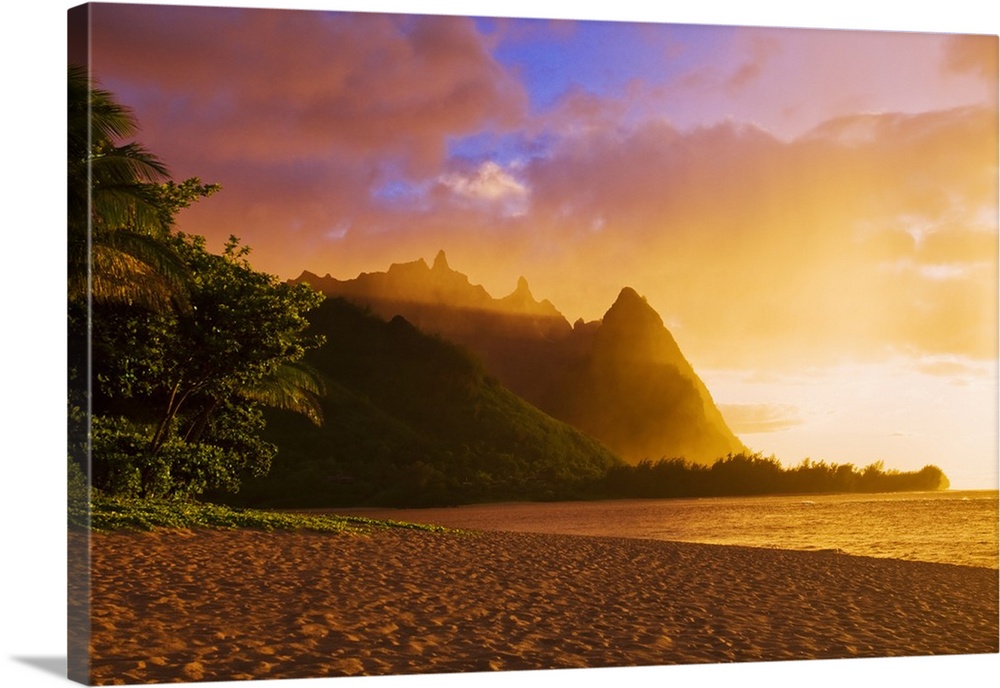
(291, 386)
(116, 212)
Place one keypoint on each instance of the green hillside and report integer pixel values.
(414, 420)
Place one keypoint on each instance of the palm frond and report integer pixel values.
(291, 387)
(117, 189)
(94, 115)
(126, 164)
(97, 160)
(167, 266)
(115, 207)
(118, 276)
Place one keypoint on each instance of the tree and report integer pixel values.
(173, 349)
(179, 392)
(120, 205)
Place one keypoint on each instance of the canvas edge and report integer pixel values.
(78, 559)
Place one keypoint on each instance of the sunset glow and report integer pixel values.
(813, 213)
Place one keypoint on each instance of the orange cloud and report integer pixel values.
(760, 249)
(749, 419)
(872, 233)
(972, 54)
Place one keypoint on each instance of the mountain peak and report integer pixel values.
(671, 411)
(522, 286)
(308, 277)
(630, 307)
(629, 295)
(522, 301)
(440, 262)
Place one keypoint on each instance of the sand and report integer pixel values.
(220, 605)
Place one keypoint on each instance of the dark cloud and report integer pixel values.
(286, 84)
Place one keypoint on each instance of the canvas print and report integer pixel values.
(423, 344)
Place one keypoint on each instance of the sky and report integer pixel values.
(812, 212)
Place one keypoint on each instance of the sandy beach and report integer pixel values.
(175, 605)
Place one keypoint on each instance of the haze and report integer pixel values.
(812, 212)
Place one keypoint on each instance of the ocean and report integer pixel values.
(952, 527)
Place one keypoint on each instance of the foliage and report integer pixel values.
(108, 180)
(110, 513)
(752, 474)
(120, 205)
(77, 495)
(419, 422)
(178, 393)
(173, 349)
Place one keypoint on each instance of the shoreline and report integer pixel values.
(363, 510)
(699, 519)
(228, 605)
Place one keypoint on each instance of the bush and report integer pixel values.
(126, 465)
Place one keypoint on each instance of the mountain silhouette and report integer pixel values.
(622, 379)
(633, 389)
(414, 286)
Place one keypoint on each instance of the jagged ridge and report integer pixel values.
(623, 379)
(408, 286)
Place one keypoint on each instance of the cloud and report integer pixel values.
(761, 252)
(293, 84)
(767, 249)
(749, 419)
(488, 182)
(761, 50)
(789, 80)
(961, 371)
(869, 234)
(578, 112)
(488, 186)
(303, 117)
(972, 54)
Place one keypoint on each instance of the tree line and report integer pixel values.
(753, 474)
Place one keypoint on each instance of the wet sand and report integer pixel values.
(221, 605)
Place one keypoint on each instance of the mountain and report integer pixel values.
(413, 420)
(633, 389)
(517, 337)
(410, 286)
(622, 379)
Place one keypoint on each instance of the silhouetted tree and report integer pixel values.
(753, 474)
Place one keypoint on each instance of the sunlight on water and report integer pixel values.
(944, 527)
